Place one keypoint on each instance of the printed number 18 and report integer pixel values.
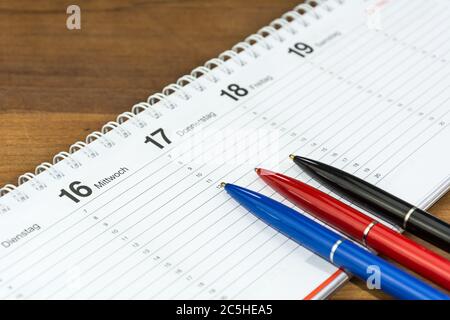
(234, 92)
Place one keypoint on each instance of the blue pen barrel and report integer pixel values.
(293, 225)
(392, 280)
(323, 241)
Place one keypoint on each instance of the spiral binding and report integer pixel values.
(303, 14)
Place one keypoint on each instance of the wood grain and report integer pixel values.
(57, 86)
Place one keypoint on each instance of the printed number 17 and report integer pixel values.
(160, 131)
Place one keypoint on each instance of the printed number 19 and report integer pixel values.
(301, 49)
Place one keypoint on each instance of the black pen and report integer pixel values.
(379, 202)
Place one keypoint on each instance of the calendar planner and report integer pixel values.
(136, 210)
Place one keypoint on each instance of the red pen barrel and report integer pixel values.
(410, 254)
(318, 203)
(361, 227)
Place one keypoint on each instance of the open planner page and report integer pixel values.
(139, 213)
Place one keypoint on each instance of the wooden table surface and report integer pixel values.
(57, 86)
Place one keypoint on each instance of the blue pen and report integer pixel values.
(333, 247)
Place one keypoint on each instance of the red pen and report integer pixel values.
(361, 228)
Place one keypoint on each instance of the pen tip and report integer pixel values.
(223, 184)
(292, 156)
(257, 170)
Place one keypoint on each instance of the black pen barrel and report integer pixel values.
(379, 202)
(429, 228)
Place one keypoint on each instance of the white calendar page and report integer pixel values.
(138, 213)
